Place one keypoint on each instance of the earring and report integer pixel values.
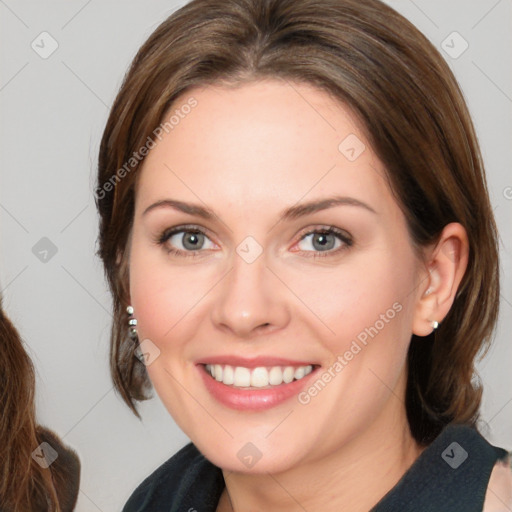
(434, 324)
(132, 323)
(428, 292)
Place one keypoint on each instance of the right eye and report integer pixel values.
(186, 241)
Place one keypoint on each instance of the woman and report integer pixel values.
(37, 472)
(296, 230)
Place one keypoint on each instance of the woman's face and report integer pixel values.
(267, 247)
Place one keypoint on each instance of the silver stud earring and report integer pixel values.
(434, 324)
(132, 323)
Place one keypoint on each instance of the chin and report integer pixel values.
(250, 457)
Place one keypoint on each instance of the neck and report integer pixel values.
(352, 478)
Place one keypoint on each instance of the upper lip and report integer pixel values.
(252, 362)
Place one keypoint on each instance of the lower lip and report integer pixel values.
(252, 399)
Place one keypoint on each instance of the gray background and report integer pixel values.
(53, 111)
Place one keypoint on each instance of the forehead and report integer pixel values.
(258, 144)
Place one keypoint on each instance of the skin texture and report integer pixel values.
(248, 153)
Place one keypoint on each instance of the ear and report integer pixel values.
(445, 265)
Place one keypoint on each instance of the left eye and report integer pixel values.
(323, 240)
(186, 240)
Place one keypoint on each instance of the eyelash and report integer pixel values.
(341, 235)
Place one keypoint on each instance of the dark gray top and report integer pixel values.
(450, 475)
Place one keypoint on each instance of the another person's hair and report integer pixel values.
(412, 111)
(24, 484)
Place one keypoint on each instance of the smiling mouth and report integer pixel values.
(256, 378)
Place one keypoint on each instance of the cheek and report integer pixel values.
(368, 309)
(152, 293)
(361, 300)
(165, 297)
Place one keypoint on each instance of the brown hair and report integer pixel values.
(24, 484)
(413, 113)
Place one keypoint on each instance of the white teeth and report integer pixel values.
(229, 375)
(275, 376)
(242, 377)
(259, 377)
(299, 373)
(288, 374)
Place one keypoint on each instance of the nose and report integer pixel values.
(251, 300)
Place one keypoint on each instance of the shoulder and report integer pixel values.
(175, 481)
(453, 473)
(168, 474)
(498, 497)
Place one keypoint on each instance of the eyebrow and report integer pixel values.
(291, 213)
